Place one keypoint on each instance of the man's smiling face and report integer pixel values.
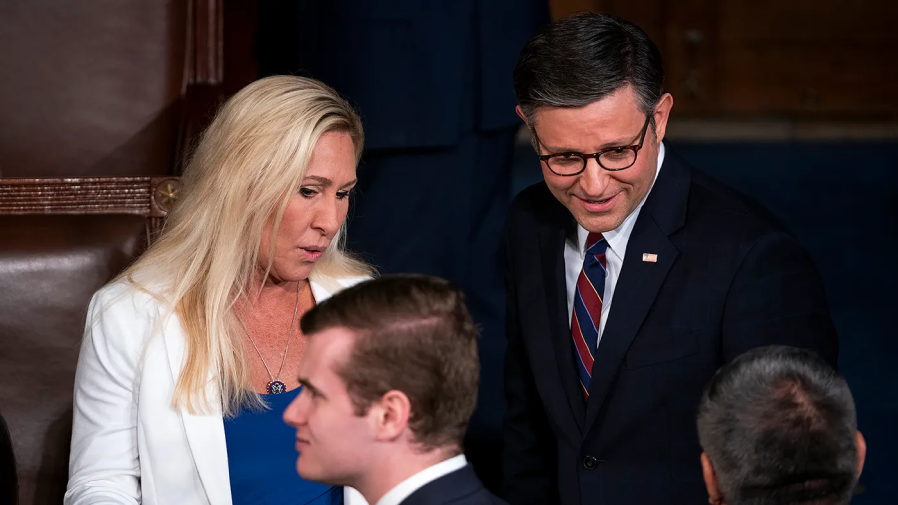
(599, 199)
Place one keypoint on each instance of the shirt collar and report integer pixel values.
(405, 488)
(617, 238)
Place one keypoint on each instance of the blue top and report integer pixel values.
(262, 459)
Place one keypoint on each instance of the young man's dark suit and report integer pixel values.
(727, 278)
(461, 487)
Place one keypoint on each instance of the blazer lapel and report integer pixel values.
(552, 260)
(319, 292)
(663, 213)
(204, 431)
(325, 287)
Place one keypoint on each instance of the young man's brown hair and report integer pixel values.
(415, 335)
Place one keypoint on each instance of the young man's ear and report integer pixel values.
(714, 496)
(861, 452)
(521, 115)
(390, 415)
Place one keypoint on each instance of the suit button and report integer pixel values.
(590, 463)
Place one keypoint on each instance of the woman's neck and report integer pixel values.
(272, 289)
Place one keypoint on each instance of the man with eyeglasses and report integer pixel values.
(630, 279)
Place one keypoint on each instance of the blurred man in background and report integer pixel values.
(778, 427)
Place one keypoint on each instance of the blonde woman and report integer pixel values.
(190, 356)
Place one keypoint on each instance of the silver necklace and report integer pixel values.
(277, 386)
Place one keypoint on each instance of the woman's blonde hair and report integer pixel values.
(247, 165)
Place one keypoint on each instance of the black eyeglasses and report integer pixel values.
(613, 159)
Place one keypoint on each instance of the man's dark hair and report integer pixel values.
(779, 426)
(414, 334)
(583, 58)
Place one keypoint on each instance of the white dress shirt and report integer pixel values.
(405, 488)
(575, 253)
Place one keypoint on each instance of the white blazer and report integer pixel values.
(129, 445)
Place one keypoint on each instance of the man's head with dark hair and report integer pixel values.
(390, 376)
(592, 83)
(584, 58)
(778, 427)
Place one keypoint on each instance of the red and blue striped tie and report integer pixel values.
(587, 311)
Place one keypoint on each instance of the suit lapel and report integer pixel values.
(634, 294)
(640, 281)
(204, 431)
(552, 259)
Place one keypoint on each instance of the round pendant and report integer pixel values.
(276, 387)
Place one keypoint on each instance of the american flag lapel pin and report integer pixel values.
(649, 258)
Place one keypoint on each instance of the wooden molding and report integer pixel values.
(206, 32)
(150, 197)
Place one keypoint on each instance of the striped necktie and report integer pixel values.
(587, 311)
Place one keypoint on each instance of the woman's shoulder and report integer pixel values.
(121, 318)
(128, 295)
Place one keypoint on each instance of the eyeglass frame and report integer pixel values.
(586, 157)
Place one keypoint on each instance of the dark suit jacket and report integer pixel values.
(457, 488)
(408, 65)
(727, 278)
